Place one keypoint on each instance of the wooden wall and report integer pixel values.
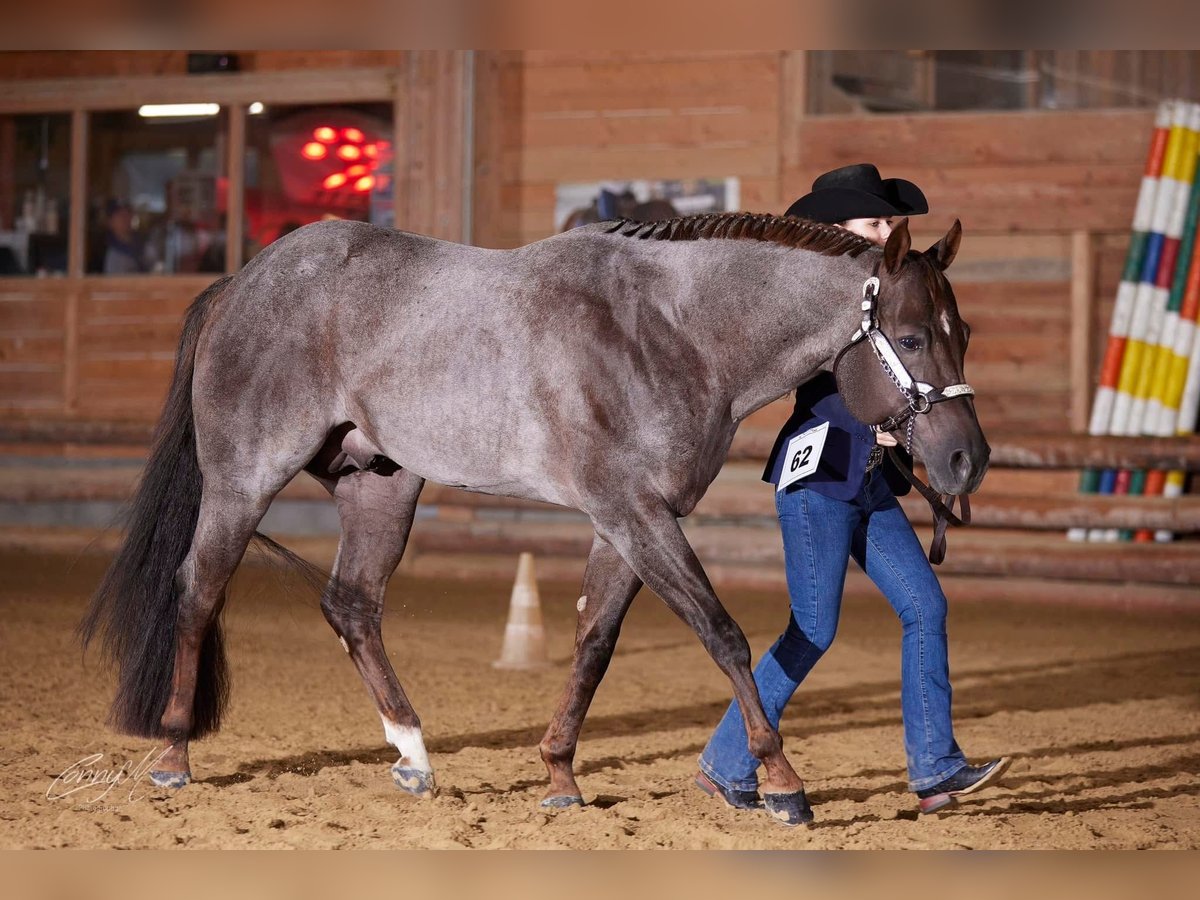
(1030, 188)
(93, 348)
(1027, 186)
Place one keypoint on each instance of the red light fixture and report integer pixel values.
(365, 183)
(349, 152)
(353, 135)
(314, 150)
(336, 180)
(325, 134)
(371, 151)
(356, 170)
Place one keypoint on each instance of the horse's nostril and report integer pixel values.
(960, 465)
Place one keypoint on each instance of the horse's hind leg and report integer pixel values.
(224, 527)
(609, 587)
(376, 514)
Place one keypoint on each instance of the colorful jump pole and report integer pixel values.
(1118, 332)
(1141, 265)
(1164, 310)
(1175, 246)
(1183, 366)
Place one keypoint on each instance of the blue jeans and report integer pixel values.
(819, 534)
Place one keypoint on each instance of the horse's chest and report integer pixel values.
(693, 465)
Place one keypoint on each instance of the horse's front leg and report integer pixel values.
(609, 586)
(648, 536)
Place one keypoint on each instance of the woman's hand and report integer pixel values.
(884, 439)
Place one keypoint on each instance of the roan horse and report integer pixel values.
(593, 369)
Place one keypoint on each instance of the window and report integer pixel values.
(849, 81)
(307, 163)
(35, 175)
(156, 191)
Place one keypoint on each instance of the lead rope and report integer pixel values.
(942, 506)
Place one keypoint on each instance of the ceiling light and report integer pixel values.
(177, 110)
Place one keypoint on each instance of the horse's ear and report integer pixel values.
(897, 247)
(943, 252)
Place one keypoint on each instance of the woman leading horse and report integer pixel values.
(846, 509)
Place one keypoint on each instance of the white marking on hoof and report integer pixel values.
(409, 742)
(345, 646)
(173, 780)
(581, 603)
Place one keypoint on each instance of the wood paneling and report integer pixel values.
(32, 346)
(128, 333)
(428, 193)
(597, 117)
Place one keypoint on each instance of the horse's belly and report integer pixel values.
(468, 452)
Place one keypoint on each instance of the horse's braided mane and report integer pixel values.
(829, 240)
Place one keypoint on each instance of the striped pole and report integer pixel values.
(1159, 245)
(1118, 331)
(1164, 300)
(1182, 365)
(1166, 384)
(1189, 400)
(1173, 246)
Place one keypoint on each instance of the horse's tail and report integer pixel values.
(134, 609)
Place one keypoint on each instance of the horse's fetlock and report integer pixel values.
(765, 743)
(556, 751)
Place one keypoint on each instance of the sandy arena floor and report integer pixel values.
(1101, 708)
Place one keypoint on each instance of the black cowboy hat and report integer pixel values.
(857, 192)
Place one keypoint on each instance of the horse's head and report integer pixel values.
(911, 365)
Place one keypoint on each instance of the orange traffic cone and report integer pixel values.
(524, 637)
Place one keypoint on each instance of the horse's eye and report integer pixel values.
(908, 342)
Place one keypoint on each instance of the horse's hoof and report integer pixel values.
(174, 780)
(790, 809)
(562, 802)
(414, 781)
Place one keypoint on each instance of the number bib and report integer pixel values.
(803, 454)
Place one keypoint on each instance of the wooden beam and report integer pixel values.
(1037, 451)
(490, 109)
(1141, 563)
(315, 86)
(428, 161)
(1075, 451)
(401, 152)
(77, 214)
(236, 194)
(1083, 290)
(59, 431)
(793, 107)
(1058, 513)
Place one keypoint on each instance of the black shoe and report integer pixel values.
(730, 797)
(966, 780)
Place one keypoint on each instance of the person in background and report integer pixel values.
(847, 509)
(124, 251)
